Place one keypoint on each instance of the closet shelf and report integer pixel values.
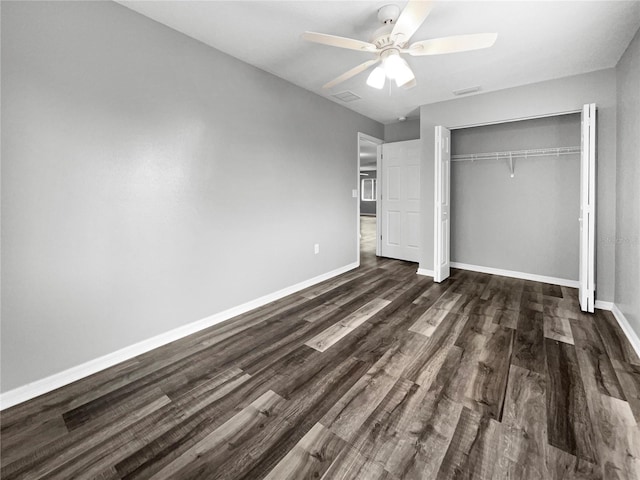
(535, 152)
(514, 154)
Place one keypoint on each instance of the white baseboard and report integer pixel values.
(425, 272)
(632, 336)
(510, 273)
(602, 305)
(39, 387)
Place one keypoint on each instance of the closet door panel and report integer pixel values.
(442, 227)
(587, 209)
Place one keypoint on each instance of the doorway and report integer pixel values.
(368, 197)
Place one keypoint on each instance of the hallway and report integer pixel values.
(367, 240)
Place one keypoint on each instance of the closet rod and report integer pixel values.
(535, 152)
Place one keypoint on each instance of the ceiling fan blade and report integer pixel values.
(351, 73)
(340, 42)
(413, 15)
(457, 43)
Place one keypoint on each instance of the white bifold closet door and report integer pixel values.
(399, 185)
(442, 198)
(586, 276)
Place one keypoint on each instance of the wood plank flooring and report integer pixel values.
(375, 374)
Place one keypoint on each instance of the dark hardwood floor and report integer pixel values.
(376, 374)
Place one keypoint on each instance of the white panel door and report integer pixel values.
(587, 209)
(399, 184)
(442, 227)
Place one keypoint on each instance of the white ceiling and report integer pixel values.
(537, 40)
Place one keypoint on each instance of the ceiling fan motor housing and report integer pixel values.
(387, 16)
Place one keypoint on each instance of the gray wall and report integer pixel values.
(401, 131)
(527, 223)
(627, 238)
(132, 161)
(537, 99)
(368, 208)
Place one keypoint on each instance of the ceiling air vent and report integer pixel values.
(346, 96)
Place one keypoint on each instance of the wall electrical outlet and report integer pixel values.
(354, 193)
(316, 248)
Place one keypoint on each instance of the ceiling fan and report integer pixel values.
(391, 40)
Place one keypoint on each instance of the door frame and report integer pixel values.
(508, 120)
(368, 138)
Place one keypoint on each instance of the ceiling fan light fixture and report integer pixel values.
(396, 68)
(377, 78)
(392, 63)
(404, 74)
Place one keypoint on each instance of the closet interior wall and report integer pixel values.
(528, 223)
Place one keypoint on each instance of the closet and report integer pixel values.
(515, 197)
(517, 212)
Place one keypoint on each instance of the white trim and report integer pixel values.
(602, 305)
(368, 137)
(522, 275)
(632, 336)
(57, 380)
(425, 272)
